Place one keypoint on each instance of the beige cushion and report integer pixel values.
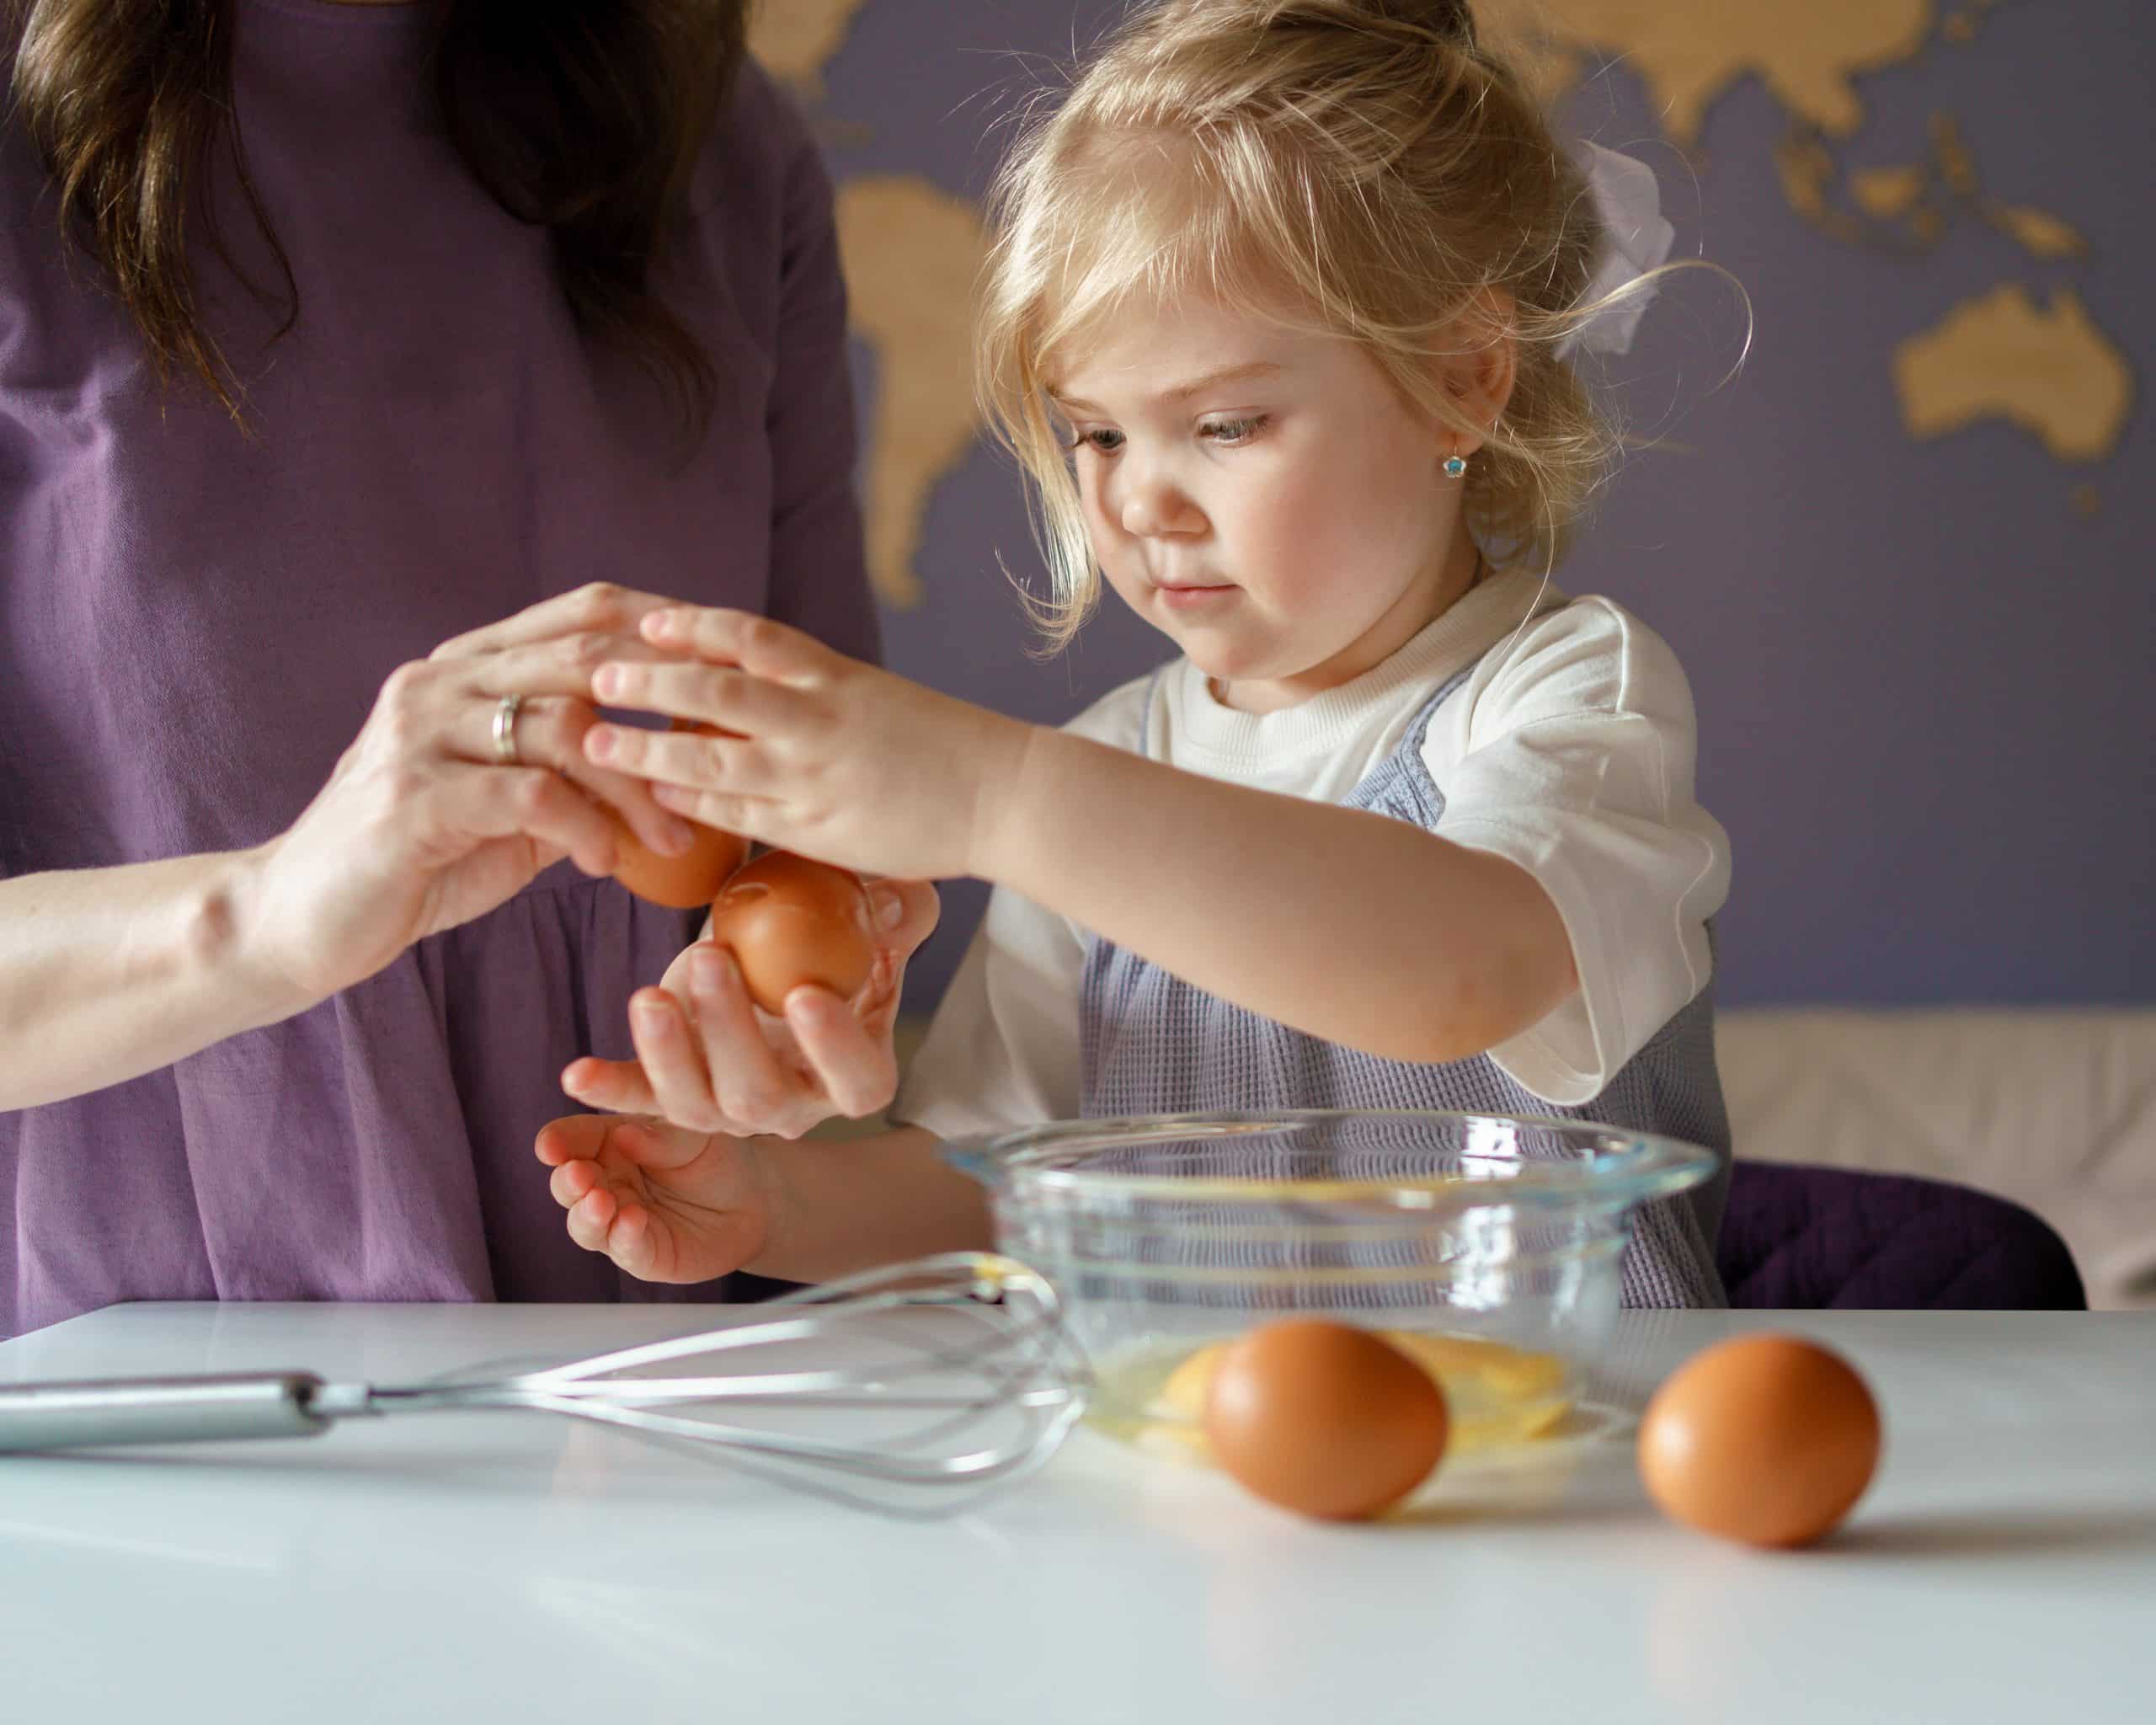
(2054, 1108)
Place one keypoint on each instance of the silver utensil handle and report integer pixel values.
(158, 1410)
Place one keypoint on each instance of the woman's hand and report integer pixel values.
(665, 1204)
(831, 757)
(708, 1060)
(423, 827)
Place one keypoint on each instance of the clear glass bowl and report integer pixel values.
(1487, 1245)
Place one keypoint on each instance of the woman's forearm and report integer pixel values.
(106, 973)
(1342, 922)
(844, 1205)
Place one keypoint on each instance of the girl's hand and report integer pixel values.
(422, 826)
(707, 1059)
(664, 1204)
(828, 756)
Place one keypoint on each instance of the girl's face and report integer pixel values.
(1264, 497)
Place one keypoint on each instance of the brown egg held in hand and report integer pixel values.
(788, 921)
(692, 880)
(1324, 1418)
(687, 881)
(1768, 1439)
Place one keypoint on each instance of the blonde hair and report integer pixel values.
(1361, 167)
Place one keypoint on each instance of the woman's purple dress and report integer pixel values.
(196, 624)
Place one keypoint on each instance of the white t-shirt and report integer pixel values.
(1568, 750)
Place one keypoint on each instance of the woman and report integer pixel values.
(328, 334)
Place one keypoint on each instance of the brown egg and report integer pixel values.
(1769, 1439)
(788, 921)
(1324, 1418)
(692, 880)
(687, 881)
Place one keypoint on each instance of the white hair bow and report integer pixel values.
(1635, 239)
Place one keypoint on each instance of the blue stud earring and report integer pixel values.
(1455, 466)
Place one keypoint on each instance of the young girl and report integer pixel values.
(1281, 320)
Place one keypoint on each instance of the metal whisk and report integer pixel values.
(913, 1388)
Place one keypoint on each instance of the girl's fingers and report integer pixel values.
(747, 1083)
(572, 1180)
(730, 765)
(709, 694)
(589, 1218)
(599, 606)
(572, 1138)
(632, 1242)
(751, 817)
(673, 1062)
(651, 1143)
(756, 643)
(855, 1070)
(920, 909)
(617, 1086)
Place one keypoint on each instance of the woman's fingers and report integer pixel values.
(599, 606)
(549, 732)
(427, 711)
(563, 665)
(495, 803)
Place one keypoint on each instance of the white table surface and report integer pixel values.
(520, 1568)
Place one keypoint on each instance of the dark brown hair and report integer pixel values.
(583, 120)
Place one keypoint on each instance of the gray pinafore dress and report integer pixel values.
(1152, 1043)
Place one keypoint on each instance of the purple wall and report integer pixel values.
(1923, 677)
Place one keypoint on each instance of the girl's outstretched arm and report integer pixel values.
(1347, 925)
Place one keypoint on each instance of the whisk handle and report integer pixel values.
(158, 1410)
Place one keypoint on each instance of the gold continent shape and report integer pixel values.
(1688, 52)
(794, 40)
(910, 253)
(2049, 370)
